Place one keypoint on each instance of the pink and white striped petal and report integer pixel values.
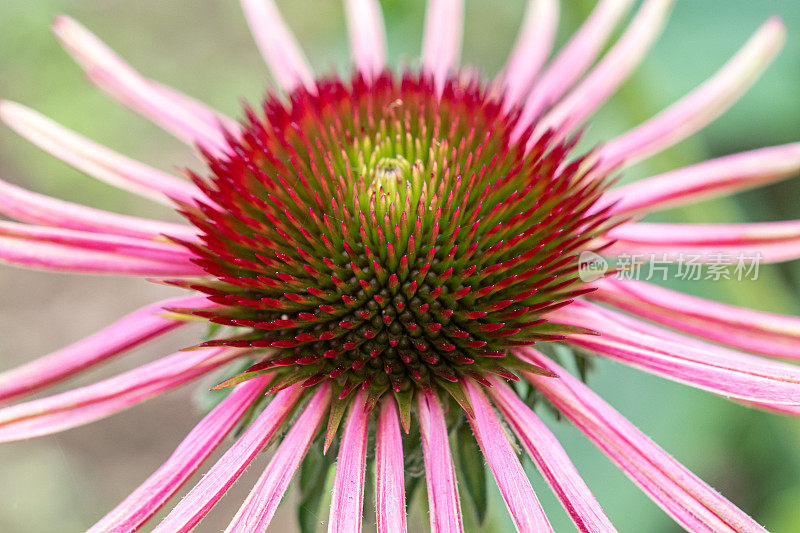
(201, 442)
(347, 502)
(746, 329)
(700, 107)
(95, 160)
(719, 370)
(367, 36)
(27, 206)
(105, 69)
(709, 179)
(516, 489)
(609, 74)
(551, 460)
(765, 242)
(681, 494)
(441, 40)
(208, 491)
(128, 332)
(258, 509)
(572, 61)
(390, 495)
(277, 45)
(80, 406)
(533, 46)
(440, 476)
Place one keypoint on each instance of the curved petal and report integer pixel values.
(390, 496)
(201, 442)
(522, 503)
(681, 494)
(441, 41)
(701, 106)
(258, 509)
(195, 505)
(96, 160)
(347, 502)
(534, 42)
(129, 331)
(709, 179)
(277, 45)
(367, 35)
(551, 460)
(93, 402)
(440, 476)
(115, 77)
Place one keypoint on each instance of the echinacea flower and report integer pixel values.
(381, 254)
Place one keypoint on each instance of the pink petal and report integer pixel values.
(701, 106)
(201, 442)
(195, 505)
(258, 509)
(278, 46)
(754, 331)
(551, 460)
(93, 402)
(534, 42)
(610, 72)
(367, 35)
(573, 60)
(94, 159)
(347, 502)
(522, 503)
(440, 476)
(765, 242)
(114, 76)
(441, 41)
(27, 206)
(689, 501)
(709, 179)
(130, 331)
(390, 492)
(719, 370)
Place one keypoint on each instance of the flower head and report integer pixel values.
(385, 252)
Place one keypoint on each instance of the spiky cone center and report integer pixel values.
(380, 235)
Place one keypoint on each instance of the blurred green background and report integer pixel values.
(66, 482)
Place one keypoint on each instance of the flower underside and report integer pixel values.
(378, 234)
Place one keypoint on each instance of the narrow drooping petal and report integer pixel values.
(522, 503)
(709, 179)
(27, 206)
(610, 72)
(367, 35)
(534, 42)
(195, 505)
(129, 331)
(258, 509)
(441, 41)
(719, 370)
(687, 499)
(201, 442)
(213, 118)
(96, 160)
(440, 476)
(764, 242)
(746, 329)
(277, 45)
(551, 460)
(701, 106)
(390, 497)
(347, 502)
(93, 402)
(119, 80)
(63, 257)
(573, 60)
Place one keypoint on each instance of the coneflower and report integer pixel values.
(380, 255)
